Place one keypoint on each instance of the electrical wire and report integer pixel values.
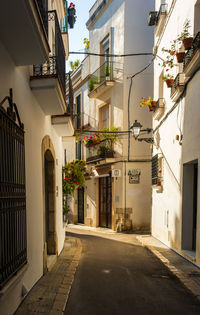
(109, 55)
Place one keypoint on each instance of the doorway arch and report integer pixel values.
(49, 197)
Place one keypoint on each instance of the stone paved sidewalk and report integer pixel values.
(50, 294)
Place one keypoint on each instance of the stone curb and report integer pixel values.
(62, 296)
(184, 278)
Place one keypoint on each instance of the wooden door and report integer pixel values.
(105, 202)
(81, 205)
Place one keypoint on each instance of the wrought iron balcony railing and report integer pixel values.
(43, 8)
(84, 121)
(178, 81)
(102, 74)
(189, 55)
(55, 65)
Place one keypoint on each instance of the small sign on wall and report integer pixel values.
(116, 173)
(134, 176)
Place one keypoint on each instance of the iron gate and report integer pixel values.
(12, 192)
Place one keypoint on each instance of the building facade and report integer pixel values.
(33, 50)
(175, 201)
(120, 177)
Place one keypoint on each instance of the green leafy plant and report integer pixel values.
(146, 102)
(168, 77)
(74, 64)
(111, 138)
(185, 33)
(66, 209)
(103, 149)
(92, 82)
(73, 176)
(86, 42)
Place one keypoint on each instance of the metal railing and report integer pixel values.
(189, 55)
(103, 73)
(43, 8)
(155, 170)
(84, 121)
(55, 65)
(178, 81)
(13, 253)
(159, 104)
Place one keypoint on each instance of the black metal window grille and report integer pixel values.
(55, 65)
(189, 55)
(155, 169)
(13, 253)
(43, 8)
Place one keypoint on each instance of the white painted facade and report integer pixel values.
(125, 23)
(175, 217)
(37, 126)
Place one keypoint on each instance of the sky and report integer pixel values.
(77, 34)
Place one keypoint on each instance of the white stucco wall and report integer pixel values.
(37, 126)
(167, 205)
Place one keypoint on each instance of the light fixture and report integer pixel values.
(135, 129)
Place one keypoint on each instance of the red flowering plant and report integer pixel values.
(73, 176)
(92, 140)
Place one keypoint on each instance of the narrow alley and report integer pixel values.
(115, 278)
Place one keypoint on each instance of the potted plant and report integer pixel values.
(185, 35)
(109, 137)
(169, 79)
(148, 102)
(105, 151)
(107, 72)
(92, 140)
(71, 14)
(180, 56)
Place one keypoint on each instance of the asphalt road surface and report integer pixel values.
(117, 278)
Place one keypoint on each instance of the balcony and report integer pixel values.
(24, 30)
(192, 58)
(159, 109)
(178, 86)
(94, 154)
(101, 80)
(84, 121)
(160, 19)
(48, 79)
(62, 125)
(64, 32)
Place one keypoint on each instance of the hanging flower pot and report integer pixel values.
(169, 82)
(180, 56)
(187, 43)
(152, 106)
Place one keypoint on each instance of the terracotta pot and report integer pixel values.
(152, 106)
(169, 82)
(187, 42)
(89, 145)
(180, 56)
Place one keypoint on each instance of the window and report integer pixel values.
(155, 169)
(78, 150)
(104, 116)
(12, 196)
(78, 112)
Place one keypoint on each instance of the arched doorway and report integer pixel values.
(50, 233)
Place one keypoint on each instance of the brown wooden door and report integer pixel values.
(105, 202)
